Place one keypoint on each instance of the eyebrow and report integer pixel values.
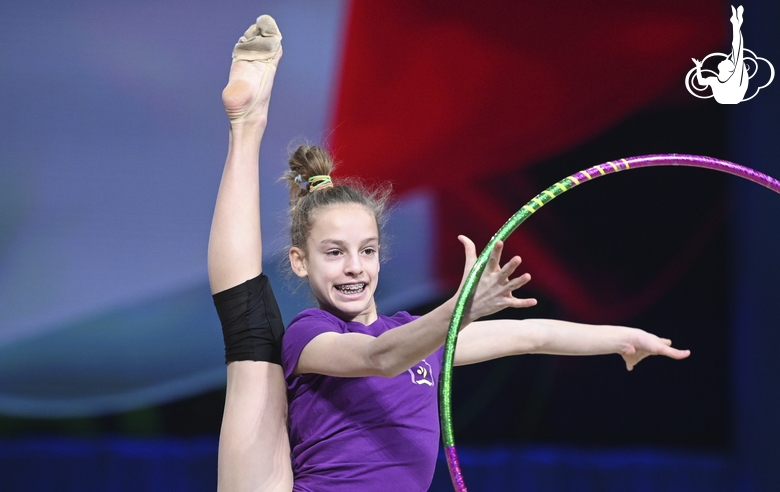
(339, 242)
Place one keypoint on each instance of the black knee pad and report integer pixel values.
(251, 322)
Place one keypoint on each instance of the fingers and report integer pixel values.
(470, 250)
(496, 284)
(494, 262)
(634, 356)
(514, 284)
(468, 245)
(522, 303)
(509, 268)
(675, 353)
(471, 255)
(495, 257)
(504, 274)
(518, 282)
(672, 352)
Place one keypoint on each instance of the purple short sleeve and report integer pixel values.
(302, 330)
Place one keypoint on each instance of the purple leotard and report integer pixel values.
(359, 434)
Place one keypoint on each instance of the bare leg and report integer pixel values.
(254, 450)
(254, 453)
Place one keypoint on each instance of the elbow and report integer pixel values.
(383, 365)
(541, 340)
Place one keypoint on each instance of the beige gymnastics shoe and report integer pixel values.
(261, 45)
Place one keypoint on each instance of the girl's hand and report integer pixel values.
(642, 344)
(494, 289)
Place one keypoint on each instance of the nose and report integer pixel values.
(353, 266)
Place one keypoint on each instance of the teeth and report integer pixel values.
(351, 288)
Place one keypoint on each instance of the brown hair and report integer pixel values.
(309, 160)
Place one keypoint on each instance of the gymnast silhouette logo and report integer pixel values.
(730, 84)
(422, 373)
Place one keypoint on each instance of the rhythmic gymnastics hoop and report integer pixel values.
(445, 387)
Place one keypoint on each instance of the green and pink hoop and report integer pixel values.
(445, 386)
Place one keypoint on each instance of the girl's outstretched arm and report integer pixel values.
(487, 340)
(254, 453)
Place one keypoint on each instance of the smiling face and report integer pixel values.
(341, 261)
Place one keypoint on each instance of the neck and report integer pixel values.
(368, 316)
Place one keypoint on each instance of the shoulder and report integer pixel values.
(312, 322)
(302, 330)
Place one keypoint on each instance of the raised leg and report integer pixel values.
(254, 453)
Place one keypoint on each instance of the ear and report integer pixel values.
(298, 262)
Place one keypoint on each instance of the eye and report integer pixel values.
(370, 251)
(333, 252)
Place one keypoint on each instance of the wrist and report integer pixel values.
(624, 339)
(466, 317)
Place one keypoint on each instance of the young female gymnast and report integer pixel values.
(362, 386)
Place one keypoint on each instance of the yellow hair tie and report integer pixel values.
(319, 182)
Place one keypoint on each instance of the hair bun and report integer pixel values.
(306, 161)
